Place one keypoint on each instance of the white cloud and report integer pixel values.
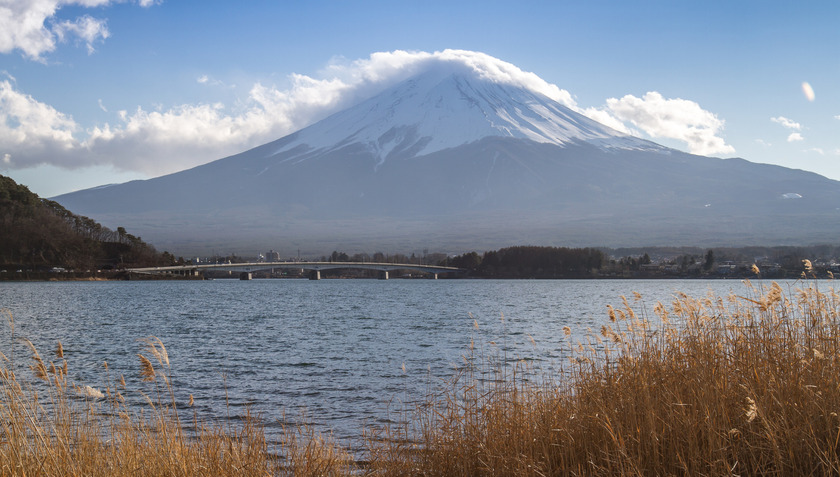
(659, 117)
(33, 131)
(808, 91)
(503, 72)
(817, 150)
(161, 140)
(762, 142)
(606, 118)
(207, 80)
(788, 123)
(28, 26)
(87, 28)
(102, 106)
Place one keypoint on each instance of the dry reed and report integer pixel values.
(738, 385)
(52, 427)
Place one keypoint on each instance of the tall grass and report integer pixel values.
(740, 385)
(49, 426)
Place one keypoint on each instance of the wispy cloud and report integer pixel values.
(788, 123)
(167, 139)
(28, 26)
(808, 91)
(606, 117)
(86, 28)
(795, 137)
(207, 80)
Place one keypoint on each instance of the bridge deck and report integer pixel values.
(312, 266)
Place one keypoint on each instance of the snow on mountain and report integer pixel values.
(450, 106)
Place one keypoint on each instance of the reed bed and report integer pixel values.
(49, 426)
(740, 385)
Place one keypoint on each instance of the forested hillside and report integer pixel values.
(39, 234)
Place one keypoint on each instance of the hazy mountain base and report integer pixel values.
(455, 234)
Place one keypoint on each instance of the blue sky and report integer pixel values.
(99, 91)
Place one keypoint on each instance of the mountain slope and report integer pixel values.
(450, 160)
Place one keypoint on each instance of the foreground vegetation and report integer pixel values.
(737, 385)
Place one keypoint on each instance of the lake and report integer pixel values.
(334, 348)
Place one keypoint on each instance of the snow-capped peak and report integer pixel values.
(449, 105)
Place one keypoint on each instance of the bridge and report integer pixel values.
(246, 270)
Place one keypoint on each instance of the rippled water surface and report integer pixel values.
(332, 347)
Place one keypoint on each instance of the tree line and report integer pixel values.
(531, 262)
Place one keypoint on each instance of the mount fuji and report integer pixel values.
(452, 160)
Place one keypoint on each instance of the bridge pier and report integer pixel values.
(245, 276)
(434, 276)
(383, 274)
(315, 275)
